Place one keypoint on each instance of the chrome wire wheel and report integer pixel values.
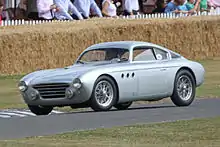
(104, 93)
(184, 87)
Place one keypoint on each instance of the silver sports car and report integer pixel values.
(114, 74)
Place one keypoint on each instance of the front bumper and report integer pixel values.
(32, 97)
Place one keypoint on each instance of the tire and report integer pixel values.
(177, 98)
(95, 103)
(40, 110)
(123, 106)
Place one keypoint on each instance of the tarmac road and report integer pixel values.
(11, 128)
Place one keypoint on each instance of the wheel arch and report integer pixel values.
(189, 69)
(115, 82)
(175, 96)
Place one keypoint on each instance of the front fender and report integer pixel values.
(88, 80)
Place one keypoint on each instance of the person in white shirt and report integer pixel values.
(87, 6)
(109, 9)
(67, 11)
(131, 7)
(46, 9)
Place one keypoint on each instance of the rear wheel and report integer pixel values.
(40, 110)
(184, 89)
(104, 94)
(123, 106)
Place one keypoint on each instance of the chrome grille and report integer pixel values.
(51, 90)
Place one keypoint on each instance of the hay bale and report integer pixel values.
(27, 48)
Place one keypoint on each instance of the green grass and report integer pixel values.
(211, 85)
(11, 98)
(190, 133)
(9, 94)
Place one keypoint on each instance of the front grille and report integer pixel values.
(51, 90)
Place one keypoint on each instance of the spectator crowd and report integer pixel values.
(84, 9)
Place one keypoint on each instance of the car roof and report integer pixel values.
(127, 45)
(119, 44)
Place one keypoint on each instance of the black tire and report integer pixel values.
(94, 104)
(176, 98)
(123, 106)
(40, 110)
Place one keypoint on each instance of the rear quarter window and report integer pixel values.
(174, 55)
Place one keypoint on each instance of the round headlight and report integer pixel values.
(22, 86)
(77, 83)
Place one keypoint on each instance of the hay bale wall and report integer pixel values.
(27, 48)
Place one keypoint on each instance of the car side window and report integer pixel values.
(125, 55)
(161, 54)
(174, 55)
(95, 55)
(143, 54)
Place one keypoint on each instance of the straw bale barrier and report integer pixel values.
(27, 48)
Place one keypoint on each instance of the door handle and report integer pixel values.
(163, 69)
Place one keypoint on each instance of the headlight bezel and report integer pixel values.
(22, 86)
(77, 83)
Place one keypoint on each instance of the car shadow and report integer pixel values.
(116, 110)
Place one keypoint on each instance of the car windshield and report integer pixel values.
(104, 54)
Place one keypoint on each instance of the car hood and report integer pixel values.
(57, 75)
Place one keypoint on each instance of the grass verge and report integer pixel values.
(11, 98)
(190, 133)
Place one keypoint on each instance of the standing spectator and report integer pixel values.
(200, 5)
(109, 9)
(203, 5)
(172, 6)
(214, 3)
(149, 6)
(190, 4)
(46, 9)
(66, 6)
(176, 6)
(184, 7)
(32, 9)
(21, 9)
(1, 10)
(131, 7)
(84, 7)
(160, 6)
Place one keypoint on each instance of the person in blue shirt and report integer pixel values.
(84, 7)
(176, 6)
(64, 7)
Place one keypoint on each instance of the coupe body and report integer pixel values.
(114, 74)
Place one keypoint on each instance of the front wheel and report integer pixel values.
(123, 106)
(104, 94)
(184, 89)
(40, 110)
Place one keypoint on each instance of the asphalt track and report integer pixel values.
(19, 127)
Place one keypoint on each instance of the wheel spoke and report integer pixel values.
(184, 87)
(104, 96)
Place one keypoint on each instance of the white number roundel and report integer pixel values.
(159, 57)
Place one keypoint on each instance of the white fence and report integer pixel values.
(140, 16)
